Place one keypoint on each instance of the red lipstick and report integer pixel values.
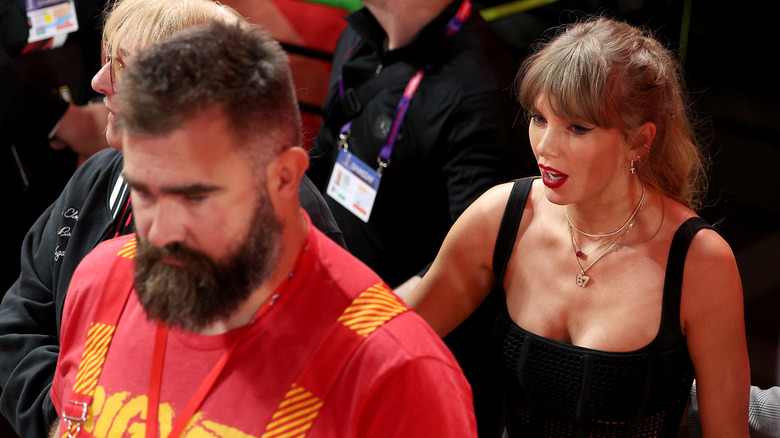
(551, 177)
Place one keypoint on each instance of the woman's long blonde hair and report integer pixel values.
(611, 74)
(138, 23)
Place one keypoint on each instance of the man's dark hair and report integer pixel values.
(237, 68)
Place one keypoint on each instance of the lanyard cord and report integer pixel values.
(127, 217)
(383, 160)
(158, 360)
(155, 381)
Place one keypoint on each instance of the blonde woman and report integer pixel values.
(616, 293)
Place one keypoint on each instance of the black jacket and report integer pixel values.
(13, 26)
(460, 136)
(35, 89)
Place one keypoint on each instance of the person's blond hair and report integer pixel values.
(138, 23)
(614, 75)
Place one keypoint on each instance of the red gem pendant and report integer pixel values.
(579, 254)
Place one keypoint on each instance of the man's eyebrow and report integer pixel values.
(190, 189)
(132, 183)
(182, 190)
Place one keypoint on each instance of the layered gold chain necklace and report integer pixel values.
(582, 276)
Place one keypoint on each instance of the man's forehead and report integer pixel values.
(179, 162)
(173, 185)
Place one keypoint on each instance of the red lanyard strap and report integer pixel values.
(155, 380)
(158, 361)
(371, 309)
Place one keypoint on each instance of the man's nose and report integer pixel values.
(167, 224)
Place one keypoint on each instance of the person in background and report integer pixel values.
(420, 104)
(94, 206)
(615, 293)
(419, 93)
(227, 296)
(26, 108)
(43, 109)
(763, 413)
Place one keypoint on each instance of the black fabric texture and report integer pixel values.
(13, 26)
(557, 389)
(460, 136)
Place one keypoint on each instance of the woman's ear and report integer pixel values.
(644, 139)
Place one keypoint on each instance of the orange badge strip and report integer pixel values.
(295, 414)
(372, 308)
(99, 335)
(98, 338)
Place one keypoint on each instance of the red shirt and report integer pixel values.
(401, 381)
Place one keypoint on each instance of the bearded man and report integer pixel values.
(228, 314)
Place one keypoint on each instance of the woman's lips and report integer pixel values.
(551, 177)
(109, 107)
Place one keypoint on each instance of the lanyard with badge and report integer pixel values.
(353, 183)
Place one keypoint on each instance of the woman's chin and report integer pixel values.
(113, 138)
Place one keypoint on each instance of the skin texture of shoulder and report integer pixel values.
(711, 310)
(463, 268)
(712, 317)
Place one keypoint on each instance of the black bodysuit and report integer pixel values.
(555, 389)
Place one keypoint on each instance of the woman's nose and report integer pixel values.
(101, 82)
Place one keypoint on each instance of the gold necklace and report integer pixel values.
(583, 278)
(630, 219)
(580, 253)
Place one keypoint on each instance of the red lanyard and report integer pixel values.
(129, 213)
(158, 359)
(155, 381)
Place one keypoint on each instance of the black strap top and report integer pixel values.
(555, 389)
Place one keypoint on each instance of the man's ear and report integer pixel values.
(284, 173)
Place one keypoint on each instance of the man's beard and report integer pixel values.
(185, 288)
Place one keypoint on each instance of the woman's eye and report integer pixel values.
(537, 119)
(579, 129)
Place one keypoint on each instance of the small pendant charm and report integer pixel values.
(582, 279)
(580, 254)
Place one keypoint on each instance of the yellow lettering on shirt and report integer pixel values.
(121, 415)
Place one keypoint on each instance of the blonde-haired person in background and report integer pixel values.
(616, 293)
(94, 206)
(133, 25)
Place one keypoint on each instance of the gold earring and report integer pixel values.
(633, 167)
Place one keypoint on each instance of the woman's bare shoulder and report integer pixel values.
(710, 272)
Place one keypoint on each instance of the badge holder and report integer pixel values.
(353, 183)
